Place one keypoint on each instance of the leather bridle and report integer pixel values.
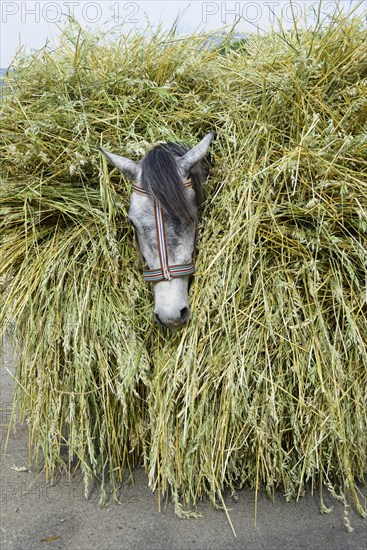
(165, 272)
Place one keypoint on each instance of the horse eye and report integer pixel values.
(136, 231)
(143, 259)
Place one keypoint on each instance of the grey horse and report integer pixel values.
(164, 209)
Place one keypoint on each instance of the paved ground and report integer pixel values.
(36, 516)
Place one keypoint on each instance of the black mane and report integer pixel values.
(161, 178)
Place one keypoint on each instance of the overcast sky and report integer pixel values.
(30, 23)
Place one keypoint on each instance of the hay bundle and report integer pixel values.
(267, 384)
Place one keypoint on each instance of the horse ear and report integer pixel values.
(128, 167)
(187, 161)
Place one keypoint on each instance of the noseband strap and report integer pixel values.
(165, 272)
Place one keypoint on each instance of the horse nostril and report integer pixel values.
(157, 319)
(185, 314)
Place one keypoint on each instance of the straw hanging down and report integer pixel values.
(266, 386)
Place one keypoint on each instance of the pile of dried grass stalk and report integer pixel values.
(267, 384)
